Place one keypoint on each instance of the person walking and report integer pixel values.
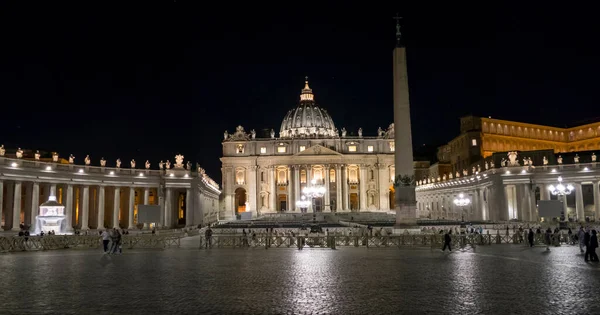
(548, 238)
(580, 237)
(530, 237)
(105, 239)
(593, 244)
(447, 241)
(117, 247)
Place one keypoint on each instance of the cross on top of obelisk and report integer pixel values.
(398, 33)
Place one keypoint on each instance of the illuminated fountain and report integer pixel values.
(51, 217)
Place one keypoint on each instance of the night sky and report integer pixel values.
(149, 85)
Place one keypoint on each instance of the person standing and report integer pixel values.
(447, 241)
(208, 236)
(592, 246)
(580, 236)
(586, 241)
(105, 240)
(530, 237)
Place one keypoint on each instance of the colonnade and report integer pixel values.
(90, 206)
(512, 194)
(348, 187)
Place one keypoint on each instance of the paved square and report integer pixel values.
(505, 279)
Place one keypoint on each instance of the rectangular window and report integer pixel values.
(474, 142)
(281, 149)
(392, 146)
(351, 148)
(263, 150)
(302, 148)
(370, 148)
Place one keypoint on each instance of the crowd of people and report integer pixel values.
(111, 241)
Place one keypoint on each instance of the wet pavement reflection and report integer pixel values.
(507, 279)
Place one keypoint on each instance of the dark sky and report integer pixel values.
(149, 85)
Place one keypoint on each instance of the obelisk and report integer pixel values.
(406, 203)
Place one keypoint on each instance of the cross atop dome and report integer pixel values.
(306, 94)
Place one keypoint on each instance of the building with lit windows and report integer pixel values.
(505, 168)
(268, 174)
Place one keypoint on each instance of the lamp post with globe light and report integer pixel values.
(562, 191)
(303, 204)
(462, 202)
(314, 191)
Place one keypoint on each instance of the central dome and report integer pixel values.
(308, 119)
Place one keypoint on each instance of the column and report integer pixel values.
(579, 202)
(596, 200)
(252, 189)
(100, 225)
(35, 204)
(16, 207)
(297, 193)
(273, 189)
(116, 207)
(290, 187)
(85, 206)
(168, 208)
(338, 186)
(1, 198)
(563, 198)
(363, 187)
(476, 206)
(522, 207)
(345, 186)
(309, 182)
(188, 208)
(131, 207)
(27, 189)
(327, 199)
(53, 190)
(484, 213)
(544, 192)
(147, 195)
(146, 201)
(383, 177)
(161, 202)
(69, 208)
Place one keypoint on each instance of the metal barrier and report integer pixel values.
(50, 242)
(406, 240)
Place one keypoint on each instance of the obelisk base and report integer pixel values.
(406, 206)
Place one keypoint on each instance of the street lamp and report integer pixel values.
(560, 189)
(314, 191)
(461, 202)
(302, 203)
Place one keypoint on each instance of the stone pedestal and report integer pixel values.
(406, 206)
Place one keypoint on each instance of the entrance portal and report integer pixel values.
(240, 200)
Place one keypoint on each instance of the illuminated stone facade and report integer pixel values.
(512, 192)
(97, 197)
(481, 137)
(267, 174)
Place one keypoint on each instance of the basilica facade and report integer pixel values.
(269, 175)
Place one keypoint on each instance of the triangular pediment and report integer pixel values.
(318, 150)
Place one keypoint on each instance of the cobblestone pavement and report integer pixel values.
(505, 279)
